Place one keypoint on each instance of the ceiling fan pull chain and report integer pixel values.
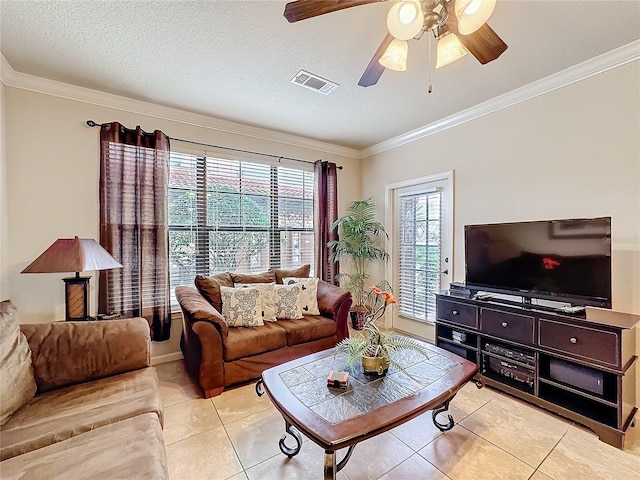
(430, 88)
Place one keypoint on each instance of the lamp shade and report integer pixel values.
(449, 50)
(395, 56)
(405, 20)
(72, 255)
(472, 14)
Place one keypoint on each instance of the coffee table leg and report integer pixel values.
(330, 465)
(330, 469)
(260, 388)
(288, 451)
(443, 427)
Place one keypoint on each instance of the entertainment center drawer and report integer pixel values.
(584, 342)
(459, 313)
(510, 326)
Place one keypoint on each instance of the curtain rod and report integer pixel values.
(91, 123)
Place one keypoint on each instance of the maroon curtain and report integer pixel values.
(134, 182)
(325, 212)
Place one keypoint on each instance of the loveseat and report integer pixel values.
(218, 355)
(96, 412)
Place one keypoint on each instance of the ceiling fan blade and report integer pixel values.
(484, 43)
(374, 70)
(303, 9)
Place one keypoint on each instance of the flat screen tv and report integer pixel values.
(562, 260)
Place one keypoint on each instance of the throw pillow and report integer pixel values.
(287, 302)
(265, 277)
(242, 307)
(300, 272)
(17, 384)
(308, 296)
(266, 295)
(209, 287)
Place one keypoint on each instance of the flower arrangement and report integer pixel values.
(371, 342)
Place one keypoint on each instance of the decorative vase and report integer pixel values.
(359, 317)
(375, 366)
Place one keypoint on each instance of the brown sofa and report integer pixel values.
(219, 356)
(97, 412)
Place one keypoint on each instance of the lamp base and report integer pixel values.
(76, 298)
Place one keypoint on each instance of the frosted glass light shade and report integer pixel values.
(405, 20)
(395, 56)
(449, 50)
(472, 14)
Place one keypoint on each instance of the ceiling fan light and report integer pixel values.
(472, 14)
(395, 56)
(449, 50)
(405, 19)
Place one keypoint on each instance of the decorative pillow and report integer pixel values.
(209, 287)
(286, 299)
(242, 307)
(266, 277)
(266, 295)
(308, 296)
(17, 384)
(300, 272)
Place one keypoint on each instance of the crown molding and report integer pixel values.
(602, 63)
(6, 70)
(607, 61)
(12, 78)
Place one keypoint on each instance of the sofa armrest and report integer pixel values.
(196, 308)
(66, 353)
(335, 302)
(203, 334)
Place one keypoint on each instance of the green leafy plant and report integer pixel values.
(371, 341)
(358, 233)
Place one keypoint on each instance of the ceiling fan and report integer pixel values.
(458, 25)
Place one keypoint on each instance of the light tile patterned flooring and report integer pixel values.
(235, 436)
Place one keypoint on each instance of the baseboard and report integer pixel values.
(169, 357)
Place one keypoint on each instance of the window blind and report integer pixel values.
(419, 245)
(237, 215)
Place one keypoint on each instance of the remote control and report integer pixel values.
(571, 309)
(482, 296)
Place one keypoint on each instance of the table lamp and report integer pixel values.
(74, 255)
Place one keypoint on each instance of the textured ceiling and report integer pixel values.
(234, 59)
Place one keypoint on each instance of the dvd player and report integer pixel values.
(508, 352)
(509, 370)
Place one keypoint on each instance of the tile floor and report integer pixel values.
(235, 436)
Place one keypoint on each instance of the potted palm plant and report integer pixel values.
(373, 347)
(359, 235)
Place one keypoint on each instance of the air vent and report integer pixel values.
(314, 82)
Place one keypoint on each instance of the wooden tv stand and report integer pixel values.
(582, 366)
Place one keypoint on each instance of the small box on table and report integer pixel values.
(338, 379)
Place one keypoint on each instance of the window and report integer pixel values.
(419, 240)
(237, 215)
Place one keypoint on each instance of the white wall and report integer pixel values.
(53, 169)
(573, 152)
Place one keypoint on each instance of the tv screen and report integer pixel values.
(563, 260)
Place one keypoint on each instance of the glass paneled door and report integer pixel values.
(421, 250)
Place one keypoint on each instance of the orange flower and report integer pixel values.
(377, 290)
(389, 298)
